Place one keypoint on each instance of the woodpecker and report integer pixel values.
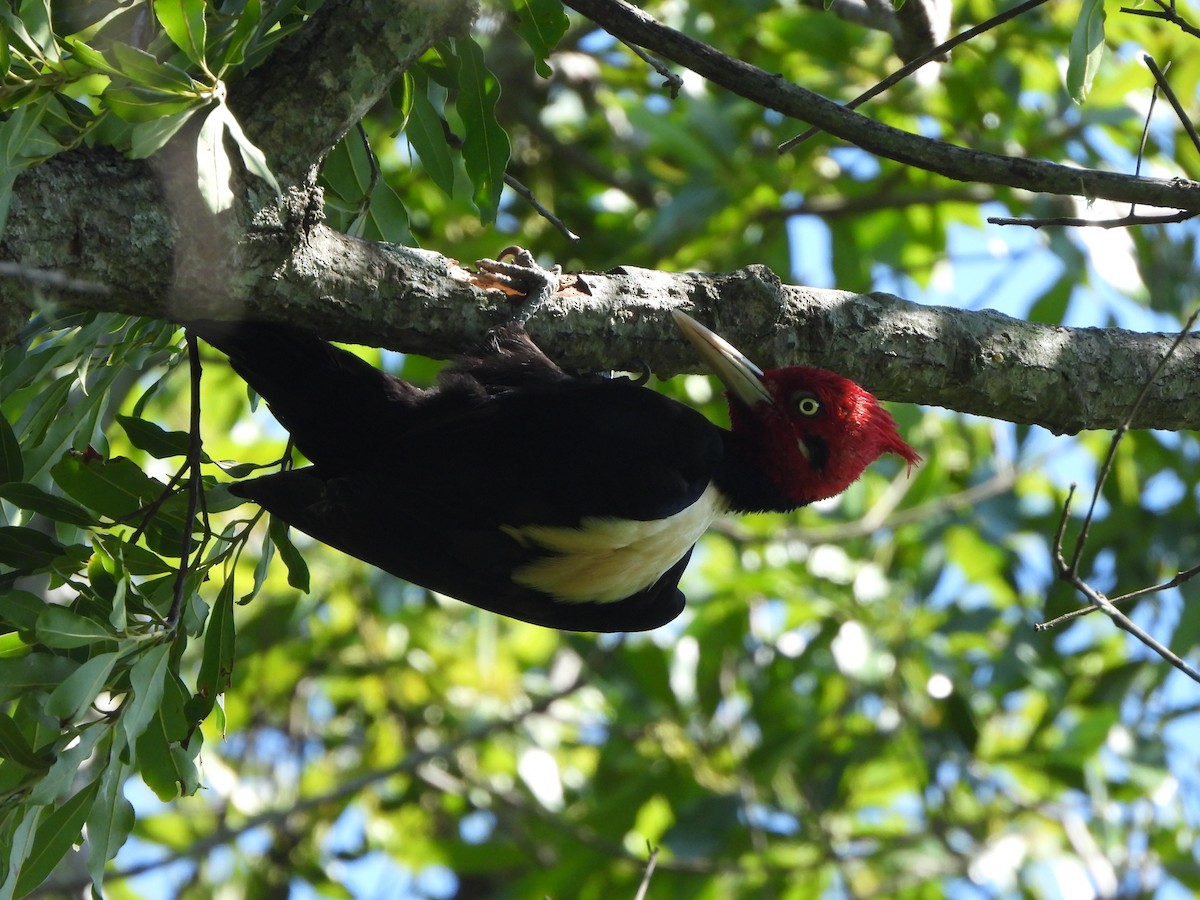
(572, 502)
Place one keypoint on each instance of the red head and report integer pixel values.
(811, 431)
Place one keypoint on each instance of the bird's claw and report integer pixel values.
(522, 276)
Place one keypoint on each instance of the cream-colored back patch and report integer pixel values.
(604, 560)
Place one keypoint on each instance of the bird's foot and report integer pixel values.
(521, 276)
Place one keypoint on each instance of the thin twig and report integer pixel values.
(541, 210)
(1125, 221)
(904, 71)
(195, 487)
(674, 83)
(649, 873)
(1123, 622)
(1176, 581)
(1167, 13)
(1145, 138)
(1069, 572)
(1169, 93)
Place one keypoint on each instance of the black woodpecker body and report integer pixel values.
(567, 501)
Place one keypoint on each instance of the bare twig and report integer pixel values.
(1141, 154)
(938, 52)
(673, 83)
(1074, 222)
(541, 210)
(1176, 581)
(1069, 572)
(1167, 13)
(1161, 80)
(650, 864)
(195, 486)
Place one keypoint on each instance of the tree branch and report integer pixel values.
(422, 302)
(772, 92)
(321, 82)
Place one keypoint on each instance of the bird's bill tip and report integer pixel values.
(737, 372)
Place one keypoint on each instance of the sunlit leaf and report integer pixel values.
(58, 626)
(214, 169)
(56, 832)
(183, 20)
(34, 499)
(485, 144)
(428, 138)
(147, 682)
(81, 687)
(1087, 49)
(542, 24)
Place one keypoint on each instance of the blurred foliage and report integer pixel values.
(855, 702)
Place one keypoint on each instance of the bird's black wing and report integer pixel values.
(438, 502)
(333, 403)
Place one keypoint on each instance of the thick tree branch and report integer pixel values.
(770, 91)
(66, 214)
(324, 79)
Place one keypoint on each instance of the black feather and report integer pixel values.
(421, 482)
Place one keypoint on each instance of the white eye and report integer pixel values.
(806, 404)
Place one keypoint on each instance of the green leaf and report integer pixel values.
(216, 666)
(183, 21)
(12, 468)
(110, 821)
(60, 627)
(1087, 49)
(262, 568)
(27, 548)
(297, 568)
(65, 770)
(485, 144)
(24, 833)
(145, 70)
(91, 57)
(76, 693)
(115, 487)
(253, 159)
(234, 52)
(13, 644)
(168, 769)
(32, 672)
(427, 136)
(33, 499)
(56, 834)
(149, 137)
(15, 748)
(137, 560)
(35, 16)
(214, 170)
(147, 680)
(541, 24)
(135, 104)
(155, 440)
